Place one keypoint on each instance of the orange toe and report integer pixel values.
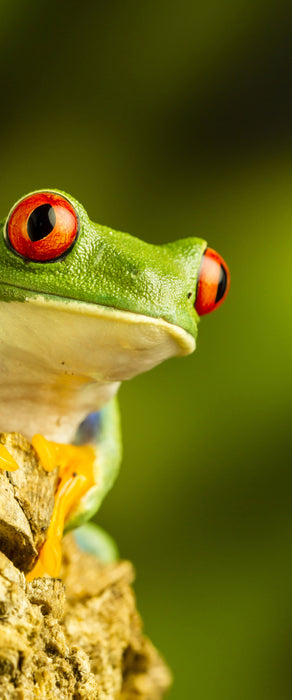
(76, 478)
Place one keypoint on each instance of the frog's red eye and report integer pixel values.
(213, 282)
(42, 226)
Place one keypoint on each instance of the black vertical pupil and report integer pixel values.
(222, 284)
(41, 222)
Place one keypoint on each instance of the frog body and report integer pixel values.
(84, 308)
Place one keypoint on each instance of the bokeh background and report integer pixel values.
(171, 119)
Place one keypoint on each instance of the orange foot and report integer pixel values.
(7, 462)
(76, 478)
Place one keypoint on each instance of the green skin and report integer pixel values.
(108, 271)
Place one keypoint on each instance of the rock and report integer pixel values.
(26, 503)
(78, 637)
(75, 639)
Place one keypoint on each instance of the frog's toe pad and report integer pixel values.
(95, 540)
(7, 462)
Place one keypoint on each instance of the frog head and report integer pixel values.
(144, 300)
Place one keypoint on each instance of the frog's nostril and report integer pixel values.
(213, 282)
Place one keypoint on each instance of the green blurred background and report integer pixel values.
(172, 119)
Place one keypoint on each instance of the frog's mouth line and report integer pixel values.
(184, 341)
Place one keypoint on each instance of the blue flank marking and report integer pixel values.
(89, 429)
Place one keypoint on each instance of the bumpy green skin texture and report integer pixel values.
(112, 269)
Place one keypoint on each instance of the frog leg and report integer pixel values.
(87, 470)
(76, 477)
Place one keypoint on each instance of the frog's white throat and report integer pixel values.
(60, 360)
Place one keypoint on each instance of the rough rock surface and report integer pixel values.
(26, 503)
(76, 637)
(81, 640)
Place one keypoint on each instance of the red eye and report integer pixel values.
(42, 226)
(213, 283)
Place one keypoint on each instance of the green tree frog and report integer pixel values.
(83, 308)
